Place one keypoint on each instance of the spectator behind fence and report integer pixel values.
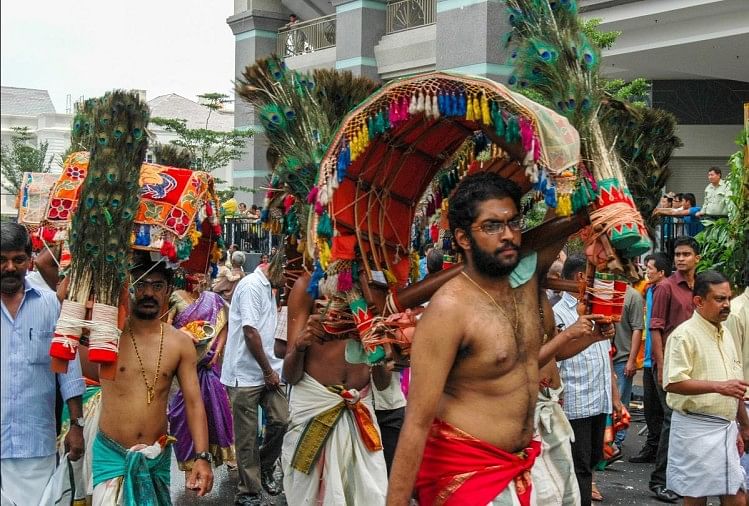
(717, 192)
(227, 280)
(688, 212)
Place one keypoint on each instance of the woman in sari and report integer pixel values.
(202, 314)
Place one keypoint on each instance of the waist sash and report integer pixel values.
(318, 429)
(145, 480)
(459, 469)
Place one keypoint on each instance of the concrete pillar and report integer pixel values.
(359, 26)
(255, 33)
(470, 38)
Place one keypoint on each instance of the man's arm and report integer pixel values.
(201, 477)
(279, 348)
(303, 330)
(572, 340)
(631, 368)
(729, 388)
(435, 345)
(635, 315)
(658, 316)
(72, 388)
(254, 343)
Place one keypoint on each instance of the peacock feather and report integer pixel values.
(101, 227)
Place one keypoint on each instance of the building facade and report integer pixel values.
(24, 107)
(690, 50)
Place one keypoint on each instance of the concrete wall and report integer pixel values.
(407, 52)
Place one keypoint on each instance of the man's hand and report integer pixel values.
(631, 368)
(732, 388)
(618, 407)
(74, 444)
(584, 327)
(201, 477)
(272, 380)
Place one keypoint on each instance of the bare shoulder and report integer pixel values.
(447, 306)
(177, 339)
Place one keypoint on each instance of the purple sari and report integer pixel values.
(208, 307)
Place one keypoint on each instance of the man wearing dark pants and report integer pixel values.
(390, 410)
(252, 374)
(658, 268)
(672, 305)
(589, 391)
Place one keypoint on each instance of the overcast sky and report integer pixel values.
(87, 47)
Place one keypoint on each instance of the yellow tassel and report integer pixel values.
(324, 253)
(215, 254)
(476, 108)
(469, 108)
(301, 246)
(365, 136)
(564, 205)
(390, 277)
(486, 116)
(445, 205)
(195, 237)
(415, 267)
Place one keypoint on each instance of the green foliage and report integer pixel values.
(604, 40)
(724, 243)
(634, 92)
(21, 156)
(208, 149)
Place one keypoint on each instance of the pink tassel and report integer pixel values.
(288, 201)
(312, 196)
(437, 199)
(393, 112)
(345, 281)
(319, 209)
(404, 109)
(536, 149)
(526, 132)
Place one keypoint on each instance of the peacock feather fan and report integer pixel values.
(300, 112)
(109, 197)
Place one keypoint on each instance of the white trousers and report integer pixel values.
(23, 480)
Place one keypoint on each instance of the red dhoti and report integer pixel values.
(458, 469)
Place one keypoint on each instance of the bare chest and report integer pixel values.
(145, 372)
(501, 334)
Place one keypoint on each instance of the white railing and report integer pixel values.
(306, 37)
(407, 14)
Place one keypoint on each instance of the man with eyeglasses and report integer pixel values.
(131, 453)
(27, 409)
(468, 434)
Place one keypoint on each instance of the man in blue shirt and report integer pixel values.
(658, 268)
(27, 419)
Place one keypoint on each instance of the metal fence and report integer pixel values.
(407, 14)
(249, 235)
(306, 37)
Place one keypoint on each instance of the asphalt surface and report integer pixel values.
(621, 483)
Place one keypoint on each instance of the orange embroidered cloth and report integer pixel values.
(459, 469)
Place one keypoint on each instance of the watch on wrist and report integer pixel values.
(207, 456)
(79, 422)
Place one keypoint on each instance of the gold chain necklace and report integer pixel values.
(514, 304)
(150, 389)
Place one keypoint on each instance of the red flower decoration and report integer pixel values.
(178, 221)
(75, 173)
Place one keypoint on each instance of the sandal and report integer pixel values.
(595, 494)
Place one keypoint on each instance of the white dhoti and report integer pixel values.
(703, 459)
(329, 444)
(553, 473)
(22, 481)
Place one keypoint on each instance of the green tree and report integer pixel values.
(22, 156)
(723, 243)
(208, 149)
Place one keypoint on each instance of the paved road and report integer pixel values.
(622, 483)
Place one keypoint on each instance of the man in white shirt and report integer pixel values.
(717, 192)
(252, 374)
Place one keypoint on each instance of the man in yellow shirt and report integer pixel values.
(704, 380)
(738, 325)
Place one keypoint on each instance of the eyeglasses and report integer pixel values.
(494, 227)
(156, 286)
(18, 261)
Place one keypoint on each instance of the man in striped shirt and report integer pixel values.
(589, 394)
(27, 423)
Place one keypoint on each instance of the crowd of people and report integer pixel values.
(509, 396)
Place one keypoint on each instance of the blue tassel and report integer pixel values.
(214, 271)
(441, 103)
(551, 197)
(264, 214)
(313, 289)
(462, 105)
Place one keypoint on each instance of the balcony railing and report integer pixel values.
(306, 37)
(407, 14)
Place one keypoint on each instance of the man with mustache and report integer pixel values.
(468, 433)
(132, 456)
(706, 389)
(27, 409)
(672, 305)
